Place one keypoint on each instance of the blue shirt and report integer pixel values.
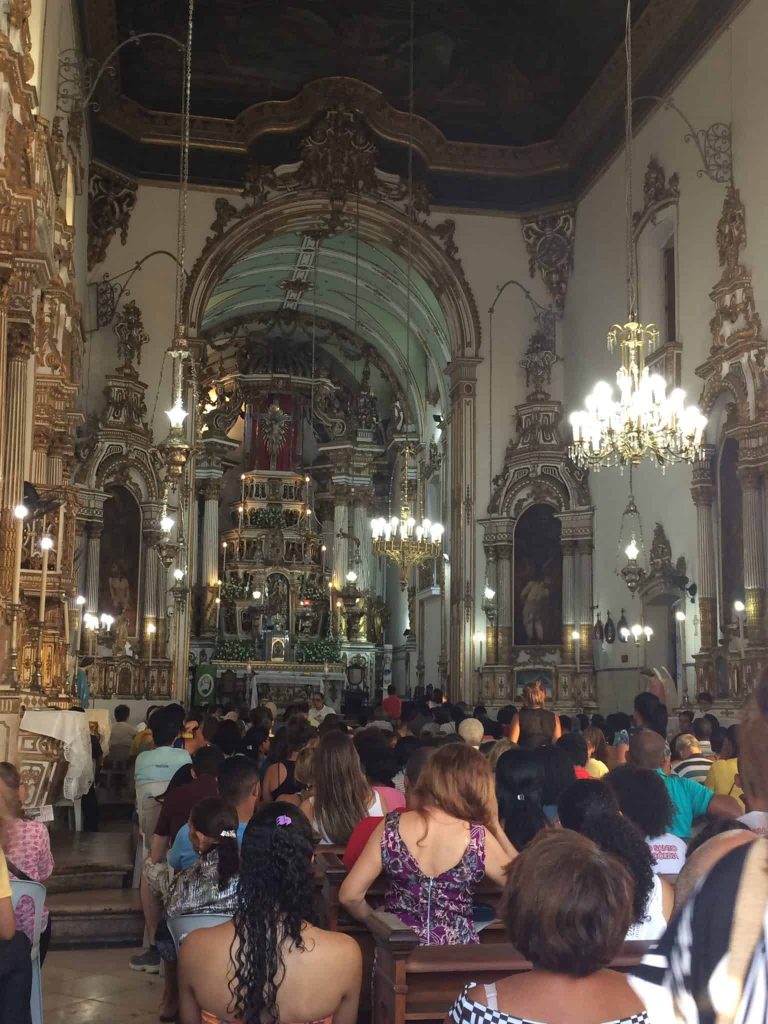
(182, 856)
(689, 800)
(159, 765)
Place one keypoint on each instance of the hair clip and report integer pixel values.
(283, 819)
(228, 833)
(520, 796)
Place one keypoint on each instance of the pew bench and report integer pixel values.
(420, 983)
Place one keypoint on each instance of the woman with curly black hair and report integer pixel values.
(589, 807)
(645, 800)
(271, 963)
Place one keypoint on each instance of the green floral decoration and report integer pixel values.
(310, 590)
(234, 589)
(319, 650)
(235, 650)
(269, 518)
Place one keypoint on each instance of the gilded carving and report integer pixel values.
(111, 199)
(549, 239)
(131, 338)
(736, 319)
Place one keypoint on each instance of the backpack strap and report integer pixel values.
(746, 927)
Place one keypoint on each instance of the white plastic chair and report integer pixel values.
(181, 926)
(36, 892)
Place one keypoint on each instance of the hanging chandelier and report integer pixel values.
(404, 541)
(631, 544)
(644, 421)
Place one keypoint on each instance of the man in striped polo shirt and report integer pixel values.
(692, 764)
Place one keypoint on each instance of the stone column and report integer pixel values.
(570, 616)
(462, 540)
(211, 491)
(505, 604)
(584, 590)
(703, 493)
(754, 550)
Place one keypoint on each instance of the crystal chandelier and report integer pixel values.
(404, 541)
(643, 421)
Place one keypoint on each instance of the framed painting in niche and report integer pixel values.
(119, 559)
(538, 578)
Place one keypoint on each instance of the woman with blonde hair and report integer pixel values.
(303, 775)
(341, 795)
(434, 855)
(534, 726)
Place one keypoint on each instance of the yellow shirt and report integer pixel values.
(5, 883)
(597, 769)
(721, 779)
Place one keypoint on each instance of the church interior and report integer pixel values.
(345, 349)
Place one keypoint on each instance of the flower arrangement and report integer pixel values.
(234, 589)
(269, 518)
(319, 650)
(235, 650)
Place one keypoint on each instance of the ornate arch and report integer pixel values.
(384, 225)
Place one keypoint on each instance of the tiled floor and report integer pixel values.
(96, 986)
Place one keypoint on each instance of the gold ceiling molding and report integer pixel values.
(662, 24)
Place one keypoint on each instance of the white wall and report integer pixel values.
(596, 295)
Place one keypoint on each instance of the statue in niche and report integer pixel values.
(120, 645)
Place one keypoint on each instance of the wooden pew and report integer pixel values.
(420, 983)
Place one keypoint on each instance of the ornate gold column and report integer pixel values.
(754, 550)
(463, 428)
(362, 530)
(703, 493)
(210, 489)
(341, 532)
(505, 604)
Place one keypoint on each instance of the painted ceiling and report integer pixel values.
(288, 272)
(535, 84)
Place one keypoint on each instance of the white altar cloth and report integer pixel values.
(71, 727)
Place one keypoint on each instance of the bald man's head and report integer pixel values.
(702, 860)
(646, 749)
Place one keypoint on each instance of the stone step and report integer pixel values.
(96, 918)
(88, 878)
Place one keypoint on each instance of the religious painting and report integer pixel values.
(119, 560)
(538, 578)
(524, 676)
(731, 535)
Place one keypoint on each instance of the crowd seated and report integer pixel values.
(570, 837)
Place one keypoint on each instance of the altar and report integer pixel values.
(281, 684)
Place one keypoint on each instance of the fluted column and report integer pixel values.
(754, 550)
(162, 609)
(15, 441)
(211, 491)
(584, 590)
(92, 572)
(570, 616)
(362, 530)
(341, 533)
(505, 604)
(491, 628)
(703, 493)
(151, 561)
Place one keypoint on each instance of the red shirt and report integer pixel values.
(357, 842)
(581, 773)
(393, 706)
(179, 802)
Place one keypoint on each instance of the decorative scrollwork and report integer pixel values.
(131, 337)
(549, 239)
(112, 198)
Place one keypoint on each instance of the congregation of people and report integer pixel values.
(595, 831)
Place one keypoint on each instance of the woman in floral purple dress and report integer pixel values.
(434, 854)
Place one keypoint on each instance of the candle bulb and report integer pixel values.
(576, 637)
(45, 544)
(151, 629)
